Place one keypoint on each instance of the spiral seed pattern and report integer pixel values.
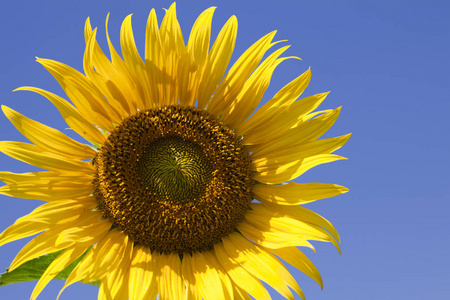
(173, 178)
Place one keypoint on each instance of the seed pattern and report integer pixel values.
(175, 169)
(174, 178)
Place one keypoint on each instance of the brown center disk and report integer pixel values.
(175, 179)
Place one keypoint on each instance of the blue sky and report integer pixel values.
(385, 62)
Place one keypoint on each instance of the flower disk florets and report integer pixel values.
(174, 178)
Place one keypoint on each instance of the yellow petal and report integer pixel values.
(46, 186)
(107, 258)
(57, 265)
(173, 49)
(305, 215)
(217, 62)
(120, 283)
(104, 75)
(33, 155)
(48, 138)
(44, 217)
(84, 231)
(240, 293)
(252, 92)
(81, 270)
(139, 76)
(296, 258)
(86, 97)
(208, 281)
(252, 257)
(171, 31)
(296, 193)
(189, 278)
(226, 281)
(186, 73)
(277, 127)
(8, 177)
(262, 217)
(152, 38)
(129, 51)
(89, 229)
(87, 30)
(170, 282)
(239, 275)
(198, 44)
(294, 169)
(275, 106)
(153, 58)
(116, 282)
(142, 276)
(103, 293)
(192, 64)
(235, 79)
(22, 230)
(46, 190)
(71, 115)
(271, 238)
(272, 220)
(305, 131)
(125, 81)
(291, 153)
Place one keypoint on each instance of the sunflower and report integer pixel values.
(185, 190)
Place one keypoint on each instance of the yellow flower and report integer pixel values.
(184, 194)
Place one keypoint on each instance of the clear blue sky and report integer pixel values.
(386, 62)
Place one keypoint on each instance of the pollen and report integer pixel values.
(174, 178)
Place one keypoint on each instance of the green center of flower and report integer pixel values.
(175, 169)
(174, 179)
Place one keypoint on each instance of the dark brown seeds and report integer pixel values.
(174, 178)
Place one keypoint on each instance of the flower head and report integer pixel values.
(186, 190)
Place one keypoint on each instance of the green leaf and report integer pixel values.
(33, 270)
